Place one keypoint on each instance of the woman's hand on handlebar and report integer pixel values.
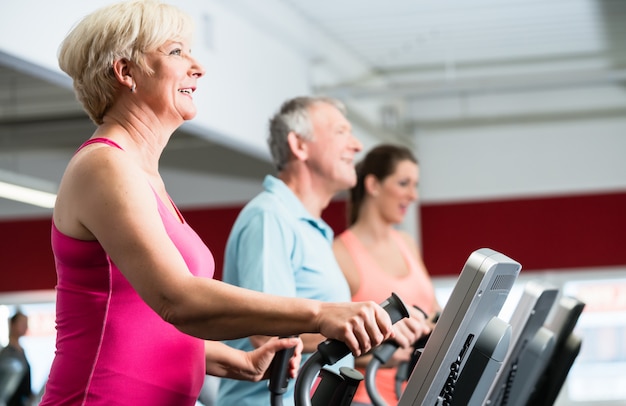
(360, 325)
(227, 362)
(261, 358)
(409, 330)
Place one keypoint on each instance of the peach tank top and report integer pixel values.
(415, 288)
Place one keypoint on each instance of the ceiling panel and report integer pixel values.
(390, 34)
(433, 40)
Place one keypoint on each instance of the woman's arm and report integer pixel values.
(107, 197)
(310, 341)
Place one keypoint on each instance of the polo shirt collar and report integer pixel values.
(277, 187)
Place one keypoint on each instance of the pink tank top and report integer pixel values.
(111, 348)
(415, 288)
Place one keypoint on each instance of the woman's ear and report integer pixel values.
(372, 185)
(298, 146)
(121, 70)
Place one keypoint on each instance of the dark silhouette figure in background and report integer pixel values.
(15, 384)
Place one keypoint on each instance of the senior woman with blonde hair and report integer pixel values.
(135, 294)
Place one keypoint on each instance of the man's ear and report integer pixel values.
(121, 70)
(372, 185)
(298, 146)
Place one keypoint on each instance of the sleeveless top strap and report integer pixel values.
(100, 140)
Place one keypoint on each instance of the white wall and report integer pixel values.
(523, 160)
(253, 61)
(525, 143)
(233, 99)
(255, 58)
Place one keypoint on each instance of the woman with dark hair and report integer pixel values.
(375, 257)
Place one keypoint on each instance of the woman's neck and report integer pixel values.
(372, 229)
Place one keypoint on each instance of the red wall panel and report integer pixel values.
(213, 226)
(554, 233)
(26, 256)
(551, 233)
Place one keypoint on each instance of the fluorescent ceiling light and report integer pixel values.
(26, 189)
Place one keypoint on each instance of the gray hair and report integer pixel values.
(293, 116)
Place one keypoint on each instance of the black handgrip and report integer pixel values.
(336, 389)
(384, 351)
(333, 350)
(278, 371)
(395, 307)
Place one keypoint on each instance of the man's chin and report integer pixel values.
(348, 184)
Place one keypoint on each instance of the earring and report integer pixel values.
(133, 87)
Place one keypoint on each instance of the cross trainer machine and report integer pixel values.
(521, 364)
(531, 347)
(561, 322)
(467, 346)
(464, 350)
(332, 389)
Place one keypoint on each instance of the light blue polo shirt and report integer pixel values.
(276, 246)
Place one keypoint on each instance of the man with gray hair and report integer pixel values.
(279, 243)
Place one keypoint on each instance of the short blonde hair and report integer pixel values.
(124, 30)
